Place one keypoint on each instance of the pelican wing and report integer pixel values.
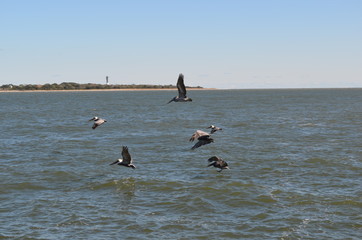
(202, 141)
(98, 122)
(214, 159)
(198, 134)
(126, 156)
(181, 86)
(199, 144)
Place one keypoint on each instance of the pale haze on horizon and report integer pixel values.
(215, 44)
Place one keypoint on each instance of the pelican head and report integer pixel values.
(94, 119)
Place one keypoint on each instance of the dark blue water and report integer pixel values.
(294, 155)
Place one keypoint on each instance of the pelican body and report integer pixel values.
(202, 137)
(218, 162)
(97, 122)
(126, 159)
(181, 91)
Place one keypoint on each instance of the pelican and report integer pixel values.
(214, 129)
(181, 91)
(218, 163)
(97, 121)
(126, 159)
(202, 137)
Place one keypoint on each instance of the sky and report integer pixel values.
(227, 44)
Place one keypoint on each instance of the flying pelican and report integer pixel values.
(126, 159)
(214, 129)
(202, 137)
(97, 121)
(181, 91)
(218, 163)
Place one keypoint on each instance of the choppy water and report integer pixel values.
(295, 159)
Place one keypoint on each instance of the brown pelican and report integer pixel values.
(97, 121)
(214, 129)
(202, 137)
(218, 163)
(126, 159)
(181, 91)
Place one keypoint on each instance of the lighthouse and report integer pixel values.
(107, 83)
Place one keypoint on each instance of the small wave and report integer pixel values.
(24, 186)
(126, 185)
(240, 184)
(266, 199)
(347, 202)
(317, 160)
(260, 216)
(61, 174)
(190, 204)
(239, 202)
(160, 185)
(307, 125)
(74, 221)
(58, 176)
(239, 125)
(105, 185)
(175, 227)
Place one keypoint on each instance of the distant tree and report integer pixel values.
(6, 86)
(46, 87)
(73, 85)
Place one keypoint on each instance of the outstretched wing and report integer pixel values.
(198, 134)
(214, 159)
(199, 144)
(181, 86)
(125, 155)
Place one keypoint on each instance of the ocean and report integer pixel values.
(295, 158)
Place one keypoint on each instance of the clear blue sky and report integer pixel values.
(221, 44)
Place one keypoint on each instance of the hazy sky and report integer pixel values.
(222, 44)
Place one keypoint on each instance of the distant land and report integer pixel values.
(83, 86)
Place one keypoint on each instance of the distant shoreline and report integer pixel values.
(172, 89)
(110, 90)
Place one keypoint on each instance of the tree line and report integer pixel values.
(83, 86)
